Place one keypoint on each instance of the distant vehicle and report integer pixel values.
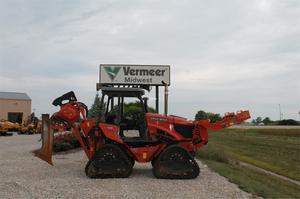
(32, 126)
(6, 126)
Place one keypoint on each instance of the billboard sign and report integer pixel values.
(119, 74)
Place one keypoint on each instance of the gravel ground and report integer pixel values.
(24, 176)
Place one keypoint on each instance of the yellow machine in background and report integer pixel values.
(6, 127)
(32, 126)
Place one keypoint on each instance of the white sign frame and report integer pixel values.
(128, 74)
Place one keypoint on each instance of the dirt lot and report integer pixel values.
(24, 176)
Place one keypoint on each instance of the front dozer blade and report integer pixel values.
(45, 152)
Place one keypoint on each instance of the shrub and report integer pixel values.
(288, 122)
(62, 146)
(64, 141)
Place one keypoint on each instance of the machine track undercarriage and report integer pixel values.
(175, 163)
(109, 162)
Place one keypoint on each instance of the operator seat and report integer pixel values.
(110, 119)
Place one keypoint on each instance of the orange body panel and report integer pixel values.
(87, 125)
(146, 154)
(111, 131)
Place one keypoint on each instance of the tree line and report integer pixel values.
(132, 110)
(268, 121)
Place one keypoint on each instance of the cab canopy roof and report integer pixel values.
(122, 92)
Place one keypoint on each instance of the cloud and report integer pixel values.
(223, 55)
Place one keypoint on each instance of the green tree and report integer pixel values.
(96, 110)
(214, 117)
(288, 122)
(267, 121)
(202, 115)
(258, 120)
(133, 111)
(133, 114)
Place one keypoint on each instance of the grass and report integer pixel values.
(276, 150)
(255, 182)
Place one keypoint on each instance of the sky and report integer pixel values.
(224, 55)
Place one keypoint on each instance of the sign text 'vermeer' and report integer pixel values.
(134, 74)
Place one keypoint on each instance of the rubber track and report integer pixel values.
(109, 162)
(175, 163)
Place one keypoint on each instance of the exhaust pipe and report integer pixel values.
(45, 152)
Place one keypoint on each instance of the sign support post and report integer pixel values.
(157, 99)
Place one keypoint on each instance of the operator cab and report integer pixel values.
(126, 108)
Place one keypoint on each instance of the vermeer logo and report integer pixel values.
(112, 72)
(119, 74)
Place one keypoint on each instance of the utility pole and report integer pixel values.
(280, 113)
